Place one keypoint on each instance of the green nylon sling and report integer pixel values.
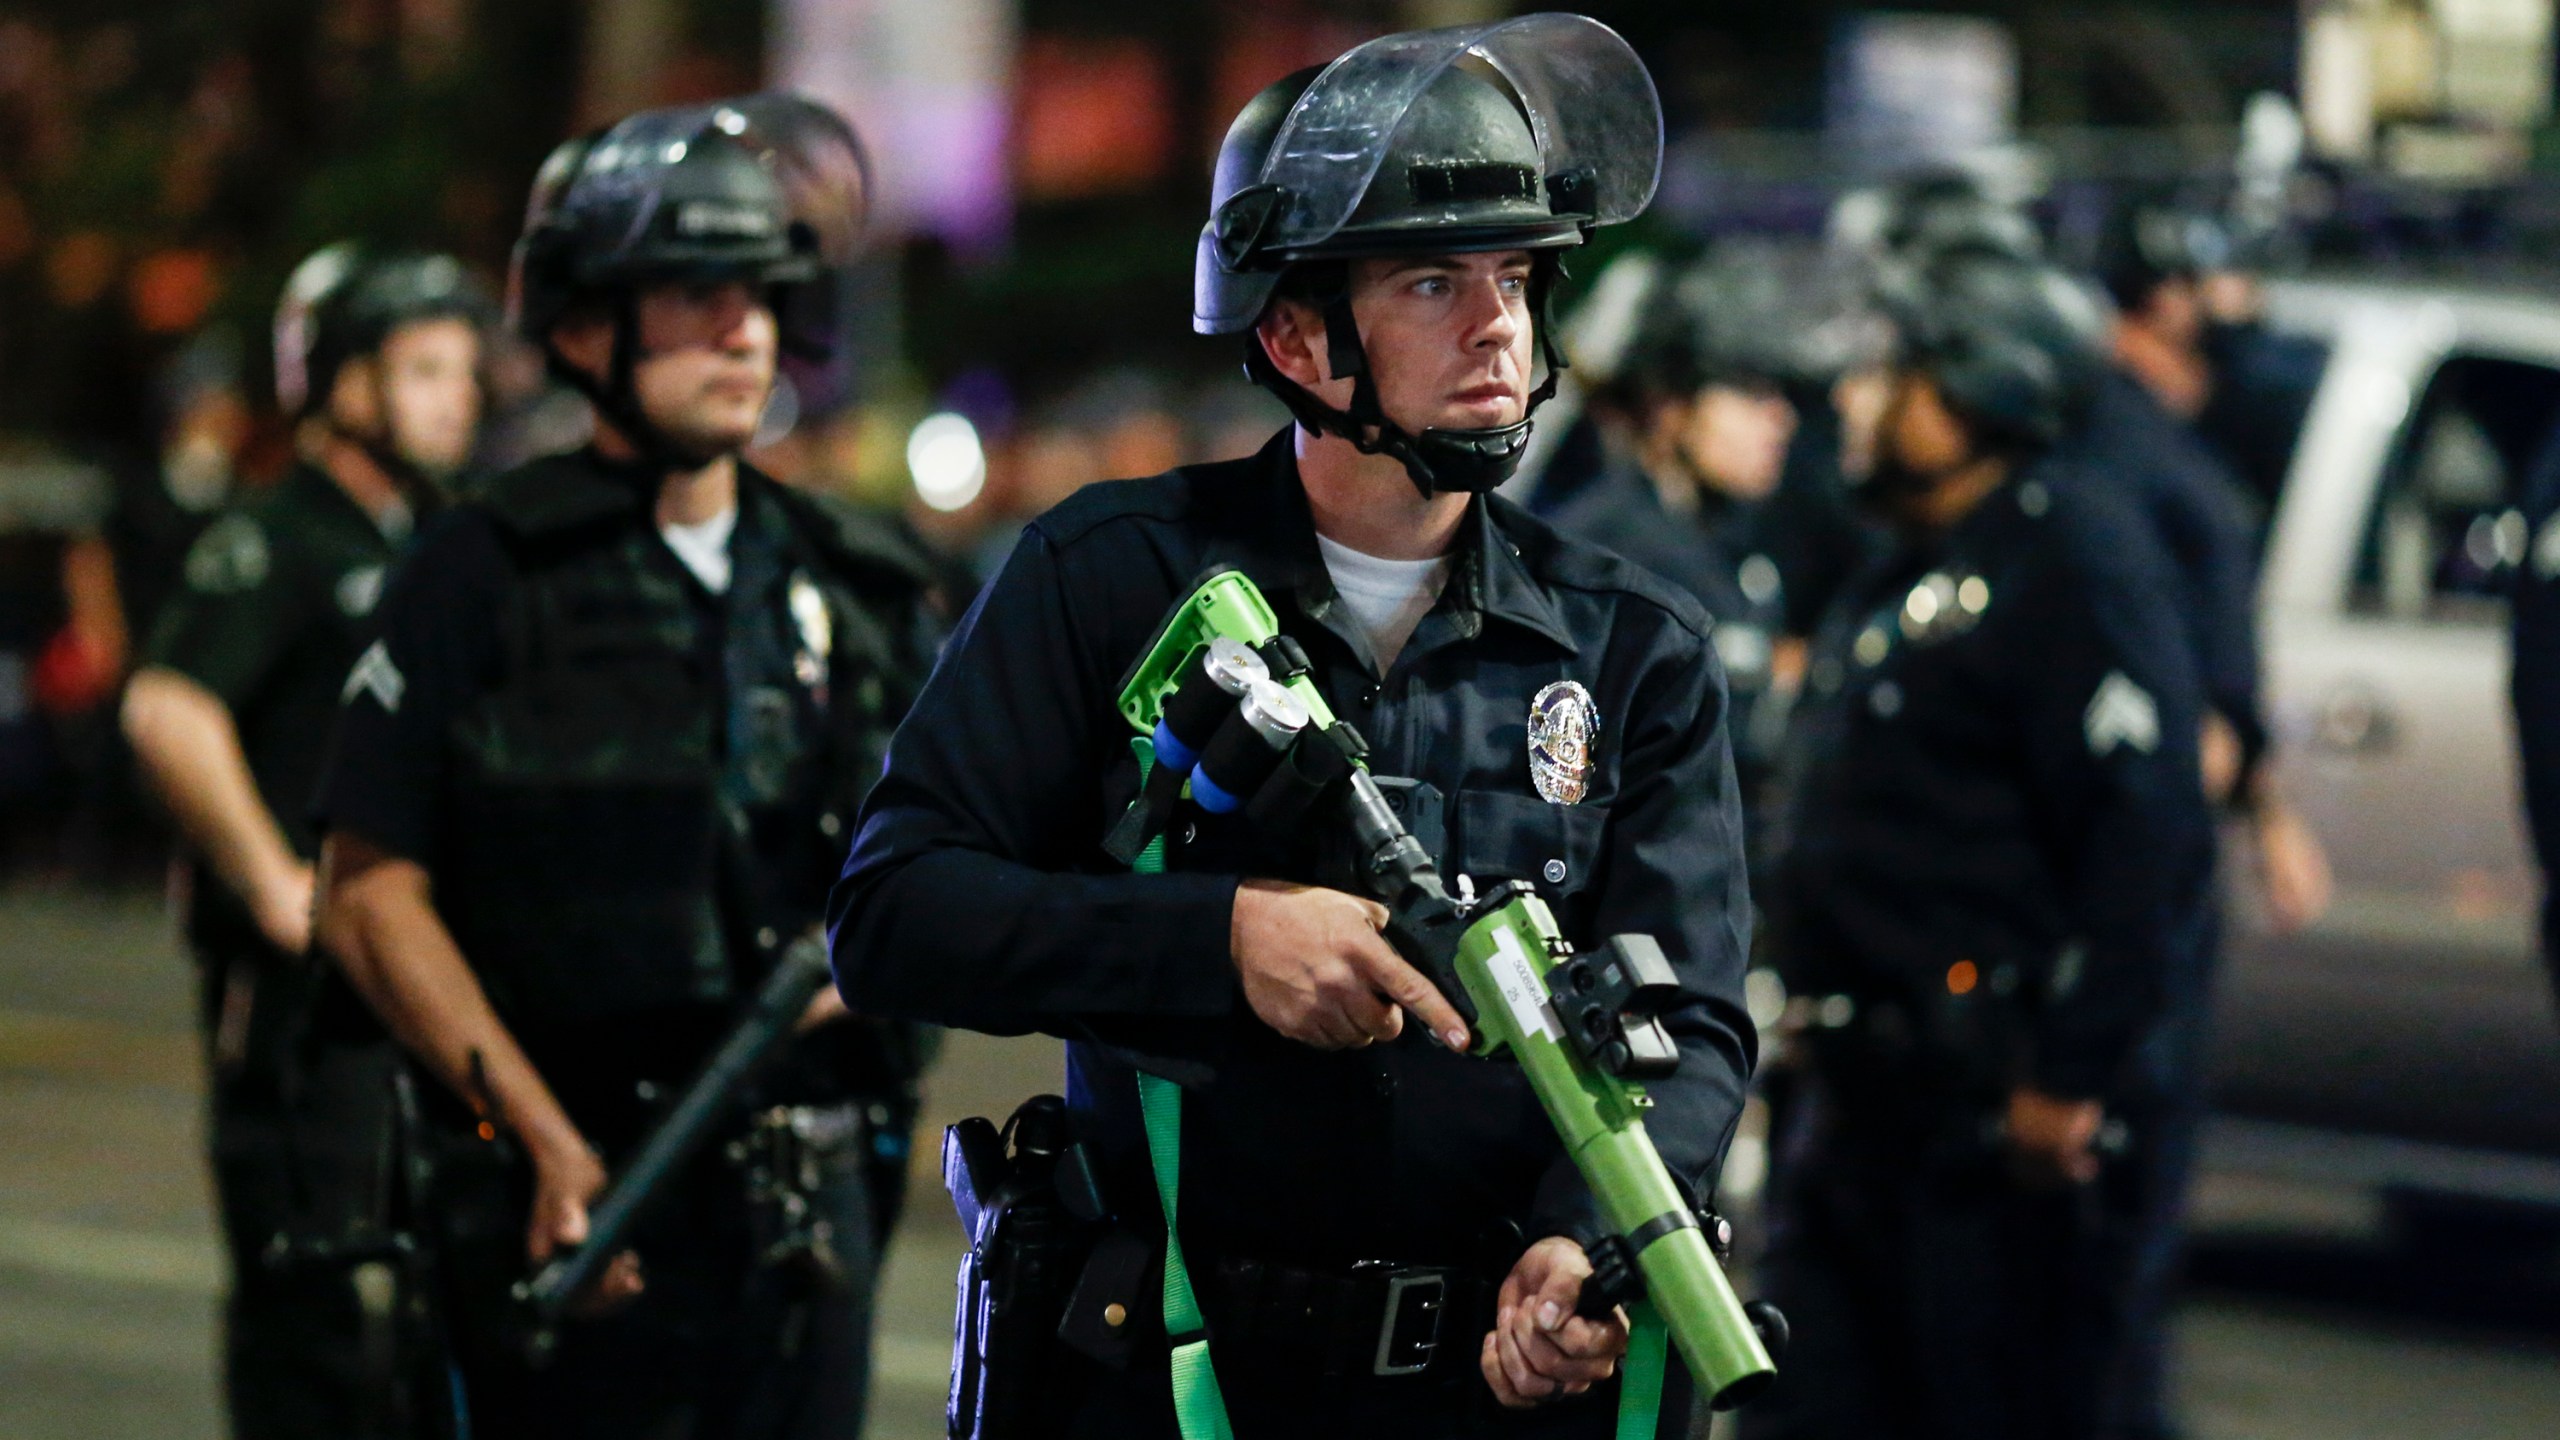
(1199, 1406)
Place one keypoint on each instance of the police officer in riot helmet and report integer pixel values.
(1707, 429)
(1995, 823)
(595, 774)
(377, 364)
(1383, 1234)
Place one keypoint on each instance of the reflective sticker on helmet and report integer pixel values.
(718, 218)
(2121, 713)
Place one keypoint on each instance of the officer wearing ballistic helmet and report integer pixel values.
(1685, 494)
(1996, 824)
(377, 364)
(594, 778)
(1383, 1234)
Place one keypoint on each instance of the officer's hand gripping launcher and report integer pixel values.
(1228, 707)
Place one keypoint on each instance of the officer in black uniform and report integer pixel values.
(1327, 1144)
(377, 360)
(2534, 686)
(1996, 825)
(598, 770)
(1702, 381)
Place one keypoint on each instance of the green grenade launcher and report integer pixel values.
(1234, 721)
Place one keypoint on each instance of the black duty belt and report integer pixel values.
(1371, 1319)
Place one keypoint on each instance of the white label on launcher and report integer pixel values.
(1521, 990)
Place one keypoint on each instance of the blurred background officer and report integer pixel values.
(2534, 687)
(596, 773)
(1707, 430)
(377, 359)
(1996, 821)
(1327, 1144)
(2139, 441)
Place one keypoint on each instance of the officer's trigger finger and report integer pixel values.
(1404, 985)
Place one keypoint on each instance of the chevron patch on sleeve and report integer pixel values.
(375, 675)
(2121, 713)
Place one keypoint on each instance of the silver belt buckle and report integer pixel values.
(1426, 1293)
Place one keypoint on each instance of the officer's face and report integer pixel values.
(1449, 338)
(1736, 439)
(429, 374)
(707, 362)
(1920, 443)
(1920, 433)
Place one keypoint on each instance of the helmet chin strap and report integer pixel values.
(1440, 459)
(617, 398)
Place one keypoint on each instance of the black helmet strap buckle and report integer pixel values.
(1439, 459)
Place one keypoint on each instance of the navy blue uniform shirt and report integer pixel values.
(978, 894)
(2159, 472)
(1997, 764)
(2534, 686)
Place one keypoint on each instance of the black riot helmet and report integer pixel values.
(1944, 210)
(2152, 240)
(766, 189)
(1749, 315)
(2015, 348)
(1518, 135)
(342, 302)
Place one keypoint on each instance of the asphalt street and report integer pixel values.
(2304, 1326)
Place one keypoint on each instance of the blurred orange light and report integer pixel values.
(1962, 977)
(1091, 116)
(80, 267)
(171, 290)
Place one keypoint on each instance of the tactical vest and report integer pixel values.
(656, 792)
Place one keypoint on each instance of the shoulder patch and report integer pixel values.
(360, 589)
(229, 557)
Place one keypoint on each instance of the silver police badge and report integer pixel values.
(1563, 727)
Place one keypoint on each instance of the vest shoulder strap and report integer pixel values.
(871, 550)
(556, 494)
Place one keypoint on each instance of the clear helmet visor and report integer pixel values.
(1590, 103)
(814, 155)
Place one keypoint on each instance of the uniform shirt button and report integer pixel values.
(1555, 872)
(766, 939)
(1190, 831)
(1386, 1084)
(829, 825)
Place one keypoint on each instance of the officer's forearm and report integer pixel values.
(958, 937)
(190, 748)
(377, 916)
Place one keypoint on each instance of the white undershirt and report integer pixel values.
(704, 548)
(1388, 597)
